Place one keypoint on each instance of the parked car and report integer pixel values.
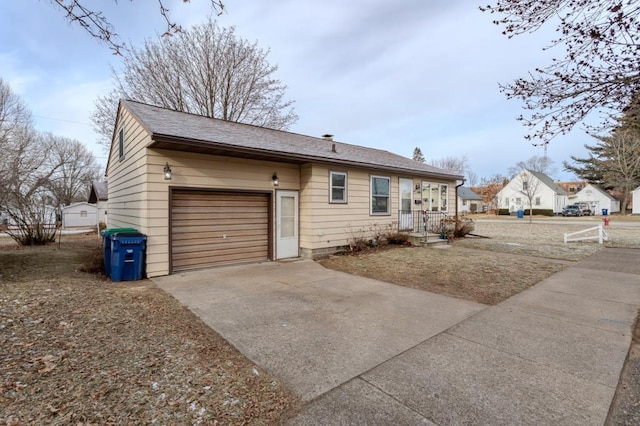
(586, 209)
(572, 210)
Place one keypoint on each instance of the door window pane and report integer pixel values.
(287, 217)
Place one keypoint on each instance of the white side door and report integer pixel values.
(286, 224)
(405, 201)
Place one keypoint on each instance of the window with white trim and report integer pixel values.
(380, 195)
(435, 196)
(338, 187)
(537, 202)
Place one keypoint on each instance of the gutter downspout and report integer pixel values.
(458, 186)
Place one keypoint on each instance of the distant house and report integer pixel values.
(597, 199)
(635, 206)
(79, 215)
(572, 187)
(545, 193)
(469, 201)
(99, 197)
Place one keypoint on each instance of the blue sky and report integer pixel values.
(390, 75)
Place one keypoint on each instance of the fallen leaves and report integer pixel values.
(79, 349)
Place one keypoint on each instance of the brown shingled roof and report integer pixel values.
(189, 132)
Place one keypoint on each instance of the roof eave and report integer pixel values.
(157, 140)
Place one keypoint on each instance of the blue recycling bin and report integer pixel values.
(106, 245)
(127, 256)
(605, 212)
(520, 214)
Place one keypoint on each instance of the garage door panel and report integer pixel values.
(234, 215)
(228, 227)
(214, 235)
(248, 243)
(200, 220)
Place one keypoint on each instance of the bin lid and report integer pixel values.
(112, 231)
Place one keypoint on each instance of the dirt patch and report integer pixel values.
(78, 348)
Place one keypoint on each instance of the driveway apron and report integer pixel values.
(312, 327)
(363, 352)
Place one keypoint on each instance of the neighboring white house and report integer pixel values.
(597, 198)
(79, 215)
(544, 192)
(99, 197)
(468, 201)
(635, 209)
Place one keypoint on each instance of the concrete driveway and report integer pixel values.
(312, 327)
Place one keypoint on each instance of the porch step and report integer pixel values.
(418, 239)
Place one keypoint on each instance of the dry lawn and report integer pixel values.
(516, 256)
(79, 349)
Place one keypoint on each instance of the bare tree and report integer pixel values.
(538, 164)
(36, 170)
(71, 181)
(489, 188)
(530, 187)
(205, 70)
(472, 178)
(452, 164)
(26, 200)
(417, 155)
(15, 119)
(598, 69)
(99, 26)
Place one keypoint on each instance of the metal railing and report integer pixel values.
(421, 221)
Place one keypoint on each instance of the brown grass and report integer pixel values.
(77, 348)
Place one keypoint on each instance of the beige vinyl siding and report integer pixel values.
(127, 183)
(191, 170)
(325, 225)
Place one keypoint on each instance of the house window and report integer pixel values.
(435, 196)
(518, 200)
(337, 187)
(525, 185)
(121, 143)
(83, 213)
(537, 202)
(464, 202)
(380, 194)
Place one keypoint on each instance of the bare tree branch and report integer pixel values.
(99, 27)
(598, 71)
(205, 70)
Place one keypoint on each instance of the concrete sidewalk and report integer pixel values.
(551, 355)
(364, 352)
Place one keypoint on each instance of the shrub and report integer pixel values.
(542, 212)
(503, 212)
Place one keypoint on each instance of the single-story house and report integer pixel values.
(79, 215)
(469, 201)
(210, 192)
(635, 206)
(597, 199)
(529, 185)
(99, 196)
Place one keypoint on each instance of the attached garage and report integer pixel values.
(212, 228)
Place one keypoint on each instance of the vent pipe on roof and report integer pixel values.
(333, 148)
(327, 137)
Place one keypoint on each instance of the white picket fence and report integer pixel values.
(601, 235)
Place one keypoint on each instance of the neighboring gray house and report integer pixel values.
(469, 201)
(99, 197)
